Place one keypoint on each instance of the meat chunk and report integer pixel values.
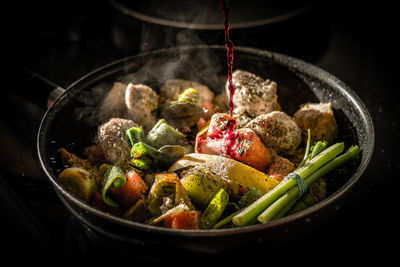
(278, 131)
(253, 95)
(94, 155)
(241, 119)
(319, 118)
(130, 102)
(113, 106)
(113, 141)
(140, 100)
(221, 103)
(173, 87)
(69, 159)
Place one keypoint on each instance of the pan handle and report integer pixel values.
(40, 81)
(54, 94)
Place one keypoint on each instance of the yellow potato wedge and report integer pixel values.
(229, 169)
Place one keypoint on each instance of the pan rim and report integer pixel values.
(280, 58)
(207, 27)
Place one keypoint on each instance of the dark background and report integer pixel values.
(64, 40)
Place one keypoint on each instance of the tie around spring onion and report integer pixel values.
(316, 163)
(286, 200)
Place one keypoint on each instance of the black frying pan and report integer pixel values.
(72, 121)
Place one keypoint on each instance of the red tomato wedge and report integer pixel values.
(280, 167)
(97, 201)
(132, 191)
(183, 220)
(250, 150)
(220, 122)
(222, 138)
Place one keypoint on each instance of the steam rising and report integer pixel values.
(153, 70)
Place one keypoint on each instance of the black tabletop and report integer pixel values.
(65, 40)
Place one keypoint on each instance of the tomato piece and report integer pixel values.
(183, 220)
(250, 150)
(219, 123)
(97, 201)
(280, 167)
(132, 191)
(241, 144)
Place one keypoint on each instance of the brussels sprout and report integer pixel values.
(249, 197)
(163, 134)
(166, 193)
(190, 95)
(78, 181)
(180, 114)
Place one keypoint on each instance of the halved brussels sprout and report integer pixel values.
(78, 181)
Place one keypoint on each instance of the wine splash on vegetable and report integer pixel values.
(179, 156)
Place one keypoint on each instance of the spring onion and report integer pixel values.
(270, 213)
(247, 199)
(308, 168)
(113, 176)
(146, 157)
(135, 135)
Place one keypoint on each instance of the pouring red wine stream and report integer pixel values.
(226, 11)
(223, 138)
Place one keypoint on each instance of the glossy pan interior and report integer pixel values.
(72, 120)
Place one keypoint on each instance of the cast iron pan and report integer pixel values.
(72, 120)
(206, 14)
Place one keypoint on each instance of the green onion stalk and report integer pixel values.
(113, 176)
(285, 202)
(312, 168)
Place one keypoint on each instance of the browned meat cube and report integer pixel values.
(278, 131)
(221, 103)
(319, 118)
(112, 139)
(253, 95)
(113, 106)
(140, 100)
(72, 160)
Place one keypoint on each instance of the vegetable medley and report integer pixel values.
(175, 157)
